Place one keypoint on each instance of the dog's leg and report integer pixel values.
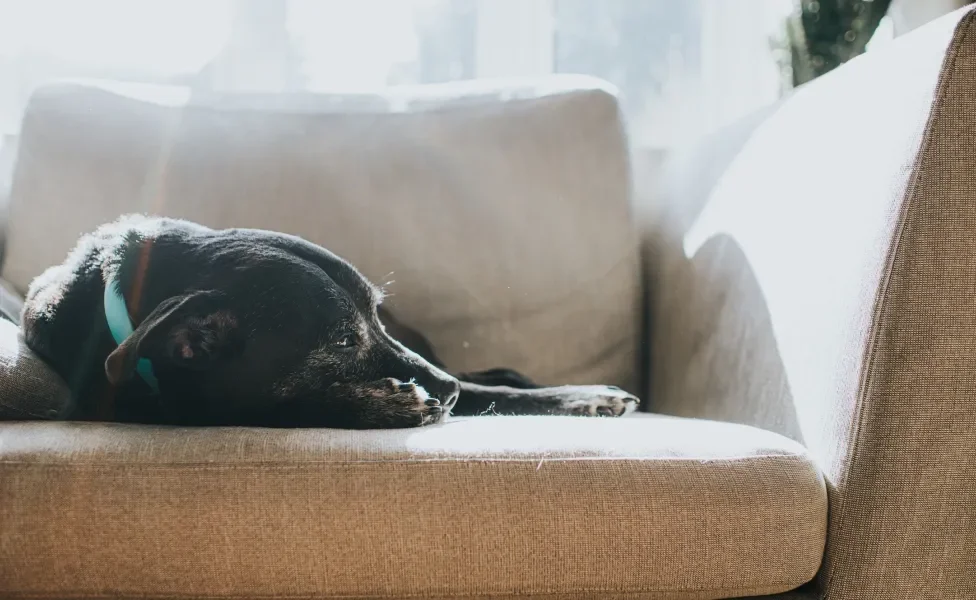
(499, 377)
(507, 392)
(582, 400)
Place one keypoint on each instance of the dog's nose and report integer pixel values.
(450, 398)
(445, 388)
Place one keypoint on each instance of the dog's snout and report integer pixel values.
(409, 366)
(442, 386)
(451, 393)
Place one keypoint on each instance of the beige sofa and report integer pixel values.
(808, 275)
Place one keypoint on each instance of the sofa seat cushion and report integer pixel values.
(654, 507)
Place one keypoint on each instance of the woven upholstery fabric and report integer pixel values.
(815, 276)
(500, 212)
(649, 507)
(29, 389)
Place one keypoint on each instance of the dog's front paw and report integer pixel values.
(596, 401)
(394, 403)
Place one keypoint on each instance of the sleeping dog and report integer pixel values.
(153, 320)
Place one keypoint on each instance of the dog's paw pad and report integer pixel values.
(403, 388)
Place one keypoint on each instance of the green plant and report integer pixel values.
(823, 34)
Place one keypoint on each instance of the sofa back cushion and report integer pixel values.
(500, 213)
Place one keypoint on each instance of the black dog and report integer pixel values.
(165, 321)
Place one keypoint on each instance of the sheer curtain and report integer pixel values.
(671, 60)
(683, 67)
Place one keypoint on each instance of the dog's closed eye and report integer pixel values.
(347, 341)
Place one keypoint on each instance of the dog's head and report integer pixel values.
(276, 331)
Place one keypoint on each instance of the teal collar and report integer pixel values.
(117, 317)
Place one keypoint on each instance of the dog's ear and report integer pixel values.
(189, 330)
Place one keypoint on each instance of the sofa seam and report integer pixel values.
(286, 465)
(775, 587)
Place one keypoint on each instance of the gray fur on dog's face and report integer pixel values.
(252, 327)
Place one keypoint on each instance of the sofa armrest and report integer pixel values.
(29, 388)
(813, 272)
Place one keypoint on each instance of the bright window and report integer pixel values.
(683, 67)
(671, 60)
